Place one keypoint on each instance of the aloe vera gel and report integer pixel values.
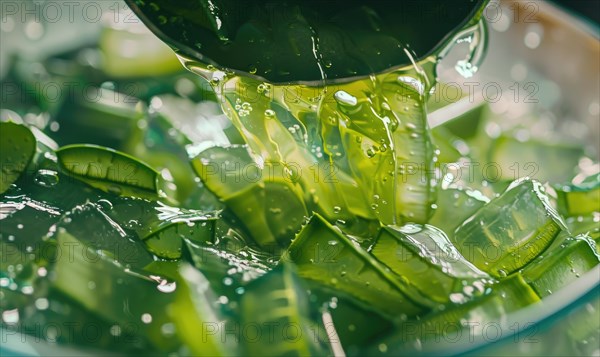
(280, 193)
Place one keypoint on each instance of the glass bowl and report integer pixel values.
(550, 55)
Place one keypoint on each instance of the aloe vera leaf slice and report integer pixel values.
(109, 170)
(562, 265)
(278, 300)
(17, 147)
(324, 255)
(424, 256)
(509, 231)
(579, 199)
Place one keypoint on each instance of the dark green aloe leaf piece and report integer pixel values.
(164, 218)
(444, 328)
(17, 147)
(107, 235)
(104, 286)
(229, 272)
(162, 227)
(579, 199)
(57, 310)
(561, 265)
(324, 255)
(424, 256)
(25, 278)
(229, 264)
(196, 307)
(26, 220)
(109, 170)
(509, 231)
(167, 242)
(18, 272)
(167, 312)
(278, 300)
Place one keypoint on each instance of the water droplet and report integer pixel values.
(466, 68)
(115, 330)
(457, 298)
(41, 304)
(46, 178)
(337, 209)
(10, 317)
(269, 113)
(105, 204)
(146, 318)
(413, 82)
(533, 38)
(166, 287)
(345, 99)
(34, 30)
